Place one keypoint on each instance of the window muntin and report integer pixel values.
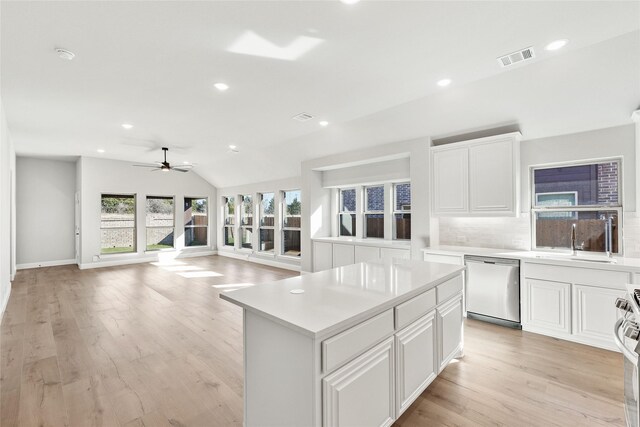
(347, 212)
(160, 222)
(582, 194)
(196, 221)
(246, 221)
(292, 210)
(117, 223)
(374, 211)
(228, 231)
(267, 222)
(402, 211)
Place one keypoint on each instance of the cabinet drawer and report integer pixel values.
(449, 288)
(584, 275)
(444, 259)
(345, 346)
(415, 308)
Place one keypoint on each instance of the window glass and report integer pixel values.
(160, 223)
(402, 211)
(374, 198)
(267, 210)
(229, 222)
(374, 211)
(196, 221)
(348, 200)
(293, 208)
(117, 223)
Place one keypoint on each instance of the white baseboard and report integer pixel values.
(5, 301)
(259, 260)
(126, 261)
(45, 264)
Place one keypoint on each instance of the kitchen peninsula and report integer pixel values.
(355, 345)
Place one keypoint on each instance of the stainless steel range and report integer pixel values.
(626, 334)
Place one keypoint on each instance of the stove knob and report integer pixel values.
(623, 305)
(632, 332)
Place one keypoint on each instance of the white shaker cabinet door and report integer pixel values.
(322, 256)
(343, 255)
(388, 253)
(491, 177)
(449, 321)
(361, 393)
(450, 181)
(594, 312)
(366, 253)
(548, 305)
(416, 365)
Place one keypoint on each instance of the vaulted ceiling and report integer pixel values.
(369, 69)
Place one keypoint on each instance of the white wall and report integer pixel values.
(385, 171)
(7, 211)
(254, 189)
(45, 200)
(111, 176)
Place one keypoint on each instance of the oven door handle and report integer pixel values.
(620, 343)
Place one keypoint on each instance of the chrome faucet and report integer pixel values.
(573, 239)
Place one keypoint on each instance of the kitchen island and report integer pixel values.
(355, 345)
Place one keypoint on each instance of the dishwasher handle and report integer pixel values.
(492, 260)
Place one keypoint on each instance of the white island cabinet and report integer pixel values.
(351, 346)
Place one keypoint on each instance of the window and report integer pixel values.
(117, 223)
(347, 212)
(291, 223)
(402, 211)
(196, 221)
(586, 195)
(267, 222)
(160, 223)
(374, 211)
(229, 216)
(246, 221)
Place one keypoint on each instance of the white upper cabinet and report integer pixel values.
(480, 177)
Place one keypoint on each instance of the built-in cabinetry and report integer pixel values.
(573, 303)
(477, 178)
(337, 253)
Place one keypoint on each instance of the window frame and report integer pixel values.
(225, 225)
(134, 248)
(185, 198)
(242, 227)
(283, 217)
(394, 208)
(366, 211)
(266, 227)
(535, 209)
(147, 227)
(346, 212)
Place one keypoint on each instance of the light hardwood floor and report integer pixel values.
(153, 345)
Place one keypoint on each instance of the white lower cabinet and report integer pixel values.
(388, 253)
(416, 365)
(548, 305)
(322, 256)
(366, 253)
(449, 325)
(343, 255)
(361, 392)
(594, 312)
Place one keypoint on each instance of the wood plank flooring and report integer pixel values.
(154, 345)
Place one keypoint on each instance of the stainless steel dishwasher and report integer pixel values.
(493, 290)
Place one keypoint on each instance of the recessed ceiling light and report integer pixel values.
(323, 123)
(221, 86)
(349, 1)
(444, 82)
(557, 44)
(65, 54)
(127, 125)
(185, 163)
(233, 147)
(100, 150)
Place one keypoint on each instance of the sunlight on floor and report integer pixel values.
(183, 268)
(193, 274)
(232, 286)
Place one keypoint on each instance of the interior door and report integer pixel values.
(77, 227)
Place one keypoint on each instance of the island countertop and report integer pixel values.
(334, 299)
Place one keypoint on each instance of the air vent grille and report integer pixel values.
(516, 57)
(302, 117)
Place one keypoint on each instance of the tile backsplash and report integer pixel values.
(515, 233)
(499, 233)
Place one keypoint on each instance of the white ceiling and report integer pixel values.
(372, 75)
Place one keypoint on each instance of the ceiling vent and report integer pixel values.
(302, 117)
(516, 57)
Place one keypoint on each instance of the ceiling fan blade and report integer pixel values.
(149, 165)
(180, 169)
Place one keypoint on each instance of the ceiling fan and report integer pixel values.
(165, 166)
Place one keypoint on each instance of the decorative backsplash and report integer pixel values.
(499, 233)
(514, 233)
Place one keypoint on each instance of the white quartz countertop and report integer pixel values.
(382, 243)
(341, 297)
(583, 260)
